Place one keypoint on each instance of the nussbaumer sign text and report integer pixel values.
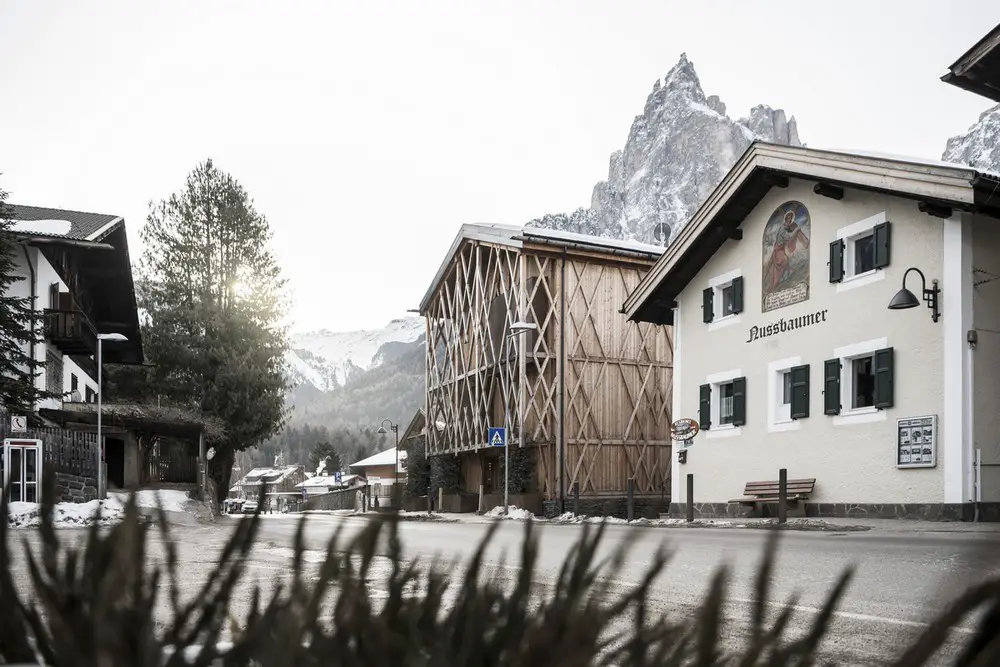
(785, 325)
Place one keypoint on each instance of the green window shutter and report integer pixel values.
(738, 294)
(705, 407)
(739, 401)
(883, 378)
(881, 240)
(836, 261)
(831, 387)
(800, 392)
(707, 304)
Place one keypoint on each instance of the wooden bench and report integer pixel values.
(757, 494)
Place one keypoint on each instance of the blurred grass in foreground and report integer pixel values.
(94, 606)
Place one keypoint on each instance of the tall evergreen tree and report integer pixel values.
(324, 451)
(215, 301)
(20, 325)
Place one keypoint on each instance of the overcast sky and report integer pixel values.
(368, 131)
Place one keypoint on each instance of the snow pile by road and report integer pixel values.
(68, 515)
(514, 513)
(169, 500)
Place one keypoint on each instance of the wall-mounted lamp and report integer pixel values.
(906, 299)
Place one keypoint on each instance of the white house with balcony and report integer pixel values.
(76, 269)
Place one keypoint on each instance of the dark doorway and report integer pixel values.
(114, 457)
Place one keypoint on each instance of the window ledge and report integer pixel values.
(784, 425)
(723, 322)
(862, 416)
(853, 282)
(724, 431)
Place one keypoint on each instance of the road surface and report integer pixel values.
(902, 579)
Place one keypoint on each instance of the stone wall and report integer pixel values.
(616, 506)
(75, 488)
(914, 511)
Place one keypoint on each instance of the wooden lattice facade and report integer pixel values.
(594, 389)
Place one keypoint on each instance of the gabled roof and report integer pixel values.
(513, 236)
(83, 226)
(100, 244)
(978, 71)
(764, 166)
(386, 458)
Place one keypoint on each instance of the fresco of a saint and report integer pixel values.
(786, 257)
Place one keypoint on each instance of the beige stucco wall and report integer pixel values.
(852, 458)
(986, 354)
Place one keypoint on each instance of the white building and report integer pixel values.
(787, 354)
(76, 268)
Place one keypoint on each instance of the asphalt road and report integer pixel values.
(902, 579)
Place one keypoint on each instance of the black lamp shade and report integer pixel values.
(904, 299)
(381, 429)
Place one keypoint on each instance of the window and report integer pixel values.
(859, 382)
(723, 297)
(864, 254)
(54, 296)
(789, 390)
(91, 395)
(860, 250)
(726, 403)
(723, 403)
(74, 382)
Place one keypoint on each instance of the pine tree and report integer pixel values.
(20, 326)
(324, 451)
(215, 301)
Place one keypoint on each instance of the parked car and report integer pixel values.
(250, 507)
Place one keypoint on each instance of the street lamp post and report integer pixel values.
(516, 329)
(395, 477)
(115, 337)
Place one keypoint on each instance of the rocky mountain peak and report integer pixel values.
(677, 151)
(979, 147)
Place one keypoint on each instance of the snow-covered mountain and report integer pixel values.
(980, 146)
(325, 359)
(677, 151)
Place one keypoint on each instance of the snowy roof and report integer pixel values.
(386, 458)
(320, 481)
(259, 476)
(764, 165)
(58, 223)
(515, 237)
(909, 159)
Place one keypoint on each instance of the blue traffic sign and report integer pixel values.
(497, 436)
(336, 477)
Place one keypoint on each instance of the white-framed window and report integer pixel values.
(858, 381)
(860, 252)
(722, 300)
(788, 394)
(722, 403)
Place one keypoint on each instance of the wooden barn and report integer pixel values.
(592, 390)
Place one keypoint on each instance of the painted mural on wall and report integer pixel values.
(786, 257)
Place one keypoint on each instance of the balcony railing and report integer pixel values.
(71, 331)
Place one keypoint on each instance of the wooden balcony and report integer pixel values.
(71, 331)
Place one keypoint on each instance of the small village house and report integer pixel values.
(273, 487)
(585, 394)
(76, 268)
(318, 485)
(835, 315)
(382, 472)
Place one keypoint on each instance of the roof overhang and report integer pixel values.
(495, 234)
(978, 71)
(764, 166)
(535, 239)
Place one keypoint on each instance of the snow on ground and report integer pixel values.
(67, 515)
(112, 510)
(169, 500)
(514, 513)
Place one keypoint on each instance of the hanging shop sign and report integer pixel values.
(786, 324)
(684, 429)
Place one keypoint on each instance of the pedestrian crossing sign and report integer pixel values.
(497, 436)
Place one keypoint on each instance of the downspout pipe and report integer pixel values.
(33, 287)
(562, 385)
